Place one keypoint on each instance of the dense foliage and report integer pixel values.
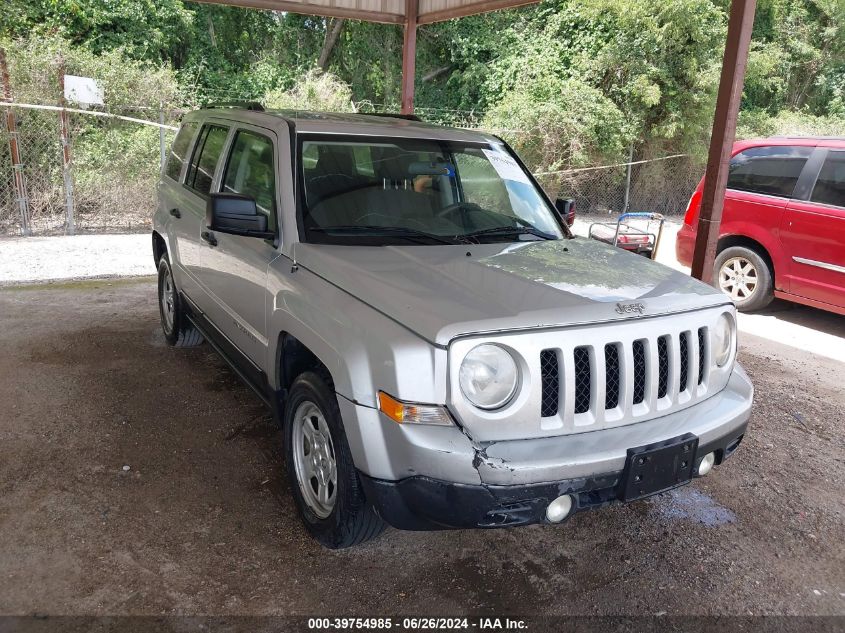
(570, 82)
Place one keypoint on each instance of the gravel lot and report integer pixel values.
(31, 259)
(201, 521)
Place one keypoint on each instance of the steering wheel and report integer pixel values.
(461, 207)
(360, 220)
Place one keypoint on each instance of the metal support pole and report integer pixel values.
(67, 165)
(161, 140)
(721, 142)
(409, 56)
(14, 148)
(628, 180)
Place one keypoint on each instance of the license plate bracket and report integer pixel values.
(657, 467)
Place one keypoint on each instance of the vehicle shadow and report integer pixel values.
(805, 316)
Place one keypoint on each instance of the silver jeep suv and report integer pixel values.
(440, 350)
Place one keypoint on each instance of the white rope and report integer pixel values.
(636, 162)
(108, 115)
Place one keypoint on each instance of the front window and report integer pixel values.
(379, 191)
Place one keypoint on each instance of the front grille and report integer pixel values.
(611, 364)
(639, 371)
(648, 375)
(583, 379)
(550, 375)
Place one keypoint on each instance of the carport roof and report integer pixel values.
(389, 11)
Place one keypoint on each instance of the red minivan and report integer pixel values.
(783, 224)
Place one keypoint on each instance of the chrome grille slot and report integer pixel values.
(639, 371)
(662, 366)
(611, 363)
(550, 376)
(583, 379)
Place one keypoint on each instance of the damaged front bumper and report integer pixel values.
(421, 478)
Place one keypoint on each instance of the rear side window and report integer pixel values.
(830, 185)
(769, 170)
(179, 149)
(250, 172)
(206, 154)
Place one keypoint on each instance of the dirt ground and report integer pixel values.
(139, 479)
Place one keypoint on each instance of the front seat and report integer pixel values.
(335, 173)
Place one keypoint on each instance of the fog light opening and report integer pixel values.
(706, 464)
(559, 509)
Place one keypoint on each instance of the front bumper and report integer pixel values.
(422, 503)
(423, 477)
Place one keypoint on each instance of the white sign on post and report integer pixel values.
(83, 91)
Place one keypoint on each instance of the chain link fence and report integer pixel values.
(115, 164)
(661, 185)
(112, 170)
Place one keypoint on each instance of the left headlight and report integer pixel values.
(723, 339)
(489, 376)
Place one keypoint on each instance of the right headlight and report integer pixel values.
(489, 376)
(723, 339)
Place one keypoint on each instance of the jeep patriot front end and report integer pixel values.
(440, 350)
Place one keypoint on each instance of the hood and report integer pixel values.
(441, 292)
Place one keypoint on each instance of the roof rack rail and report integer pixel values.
(394, 115)
(242, 105)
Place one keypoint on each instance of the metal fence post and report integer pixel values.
(627, 198)
(161, 140)
(67, 165)
(14, 147)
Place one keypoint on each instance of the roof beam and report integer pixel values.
(307, 8)
(485, 6)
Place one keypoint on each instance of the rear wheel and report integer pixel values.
(323, 478)
(743, 275)
(178, 330)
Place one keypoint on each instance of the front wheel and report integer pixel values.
(323, 478)
(743, 275)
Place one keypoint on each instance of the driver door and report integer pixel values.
(234, 268)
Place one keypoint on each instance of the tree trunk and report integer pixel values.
(211, 35)
(434, 74)
(333, 28)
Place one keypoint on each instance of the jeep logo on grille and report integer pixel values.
(630, 308)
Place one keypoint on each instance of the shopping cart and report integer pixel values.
(634, 232)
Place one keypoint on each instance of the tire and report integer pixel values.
(743, 275)
(318, 460)
(178, 330)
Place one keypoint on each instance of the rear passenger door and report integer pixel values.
(183, 229)
(814, 231)
(192, 208)
(234, 270)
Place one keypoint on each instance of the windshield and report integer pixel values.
(378, 191)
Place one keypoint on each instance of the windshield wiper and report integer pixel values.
(510, 230)
(375, 230)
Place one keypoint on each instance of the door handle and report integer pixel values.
(175, 213)
(208, 236)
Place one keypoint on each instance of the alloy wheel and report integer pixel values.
(314, 458)
(738, 278)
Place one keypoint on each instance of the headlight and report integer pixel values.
(723, 340)
(488, 376)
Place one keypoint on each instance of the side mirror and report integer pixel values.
(566, 208)
(237, 215)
